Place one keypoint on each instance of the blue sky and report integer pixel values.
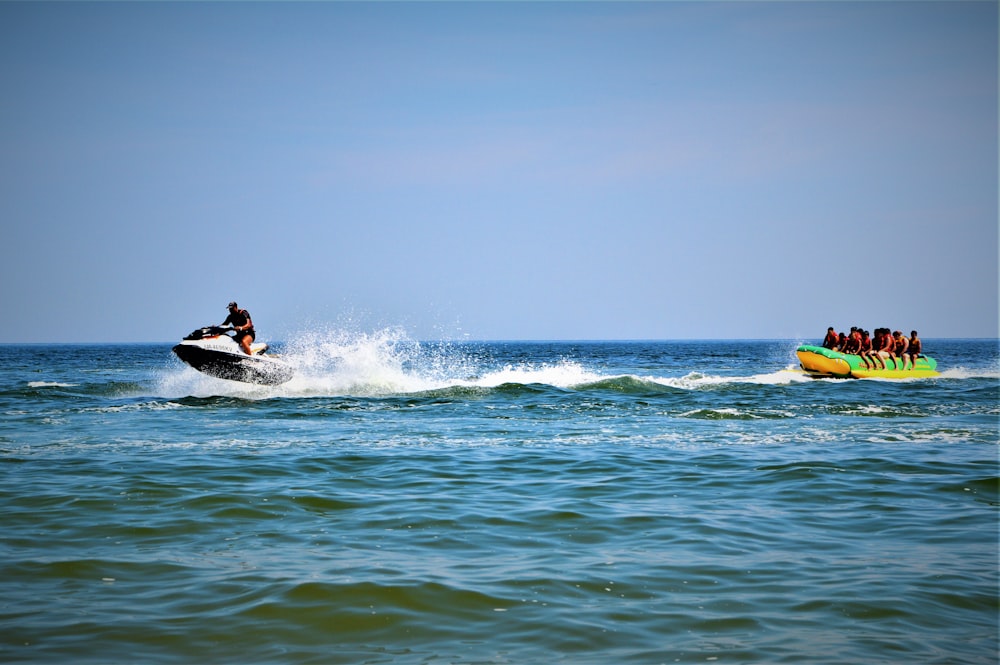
(498, 171)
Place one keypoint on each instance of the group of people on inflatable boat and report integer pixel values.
(874, 349)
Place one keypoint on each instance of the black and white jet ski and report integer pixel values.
(212, 351)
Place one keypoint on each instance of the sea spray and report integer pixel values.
(335, 362)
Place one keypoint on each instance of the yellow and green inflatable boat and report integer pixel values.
(820, 362)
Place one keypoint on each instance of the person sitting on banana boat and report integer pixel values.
(901, 346)
(916, 346)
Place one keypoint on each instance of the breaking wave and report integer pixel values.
(388, 363)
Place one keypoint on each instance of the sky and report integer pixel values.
(498, 171)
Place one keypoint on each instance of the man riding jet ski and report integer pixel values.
(235, 357)
(241, 322)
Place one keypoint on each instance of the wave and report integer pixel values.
(699, 380)
(382, 363)
(730, 413)
(387, 363)
(56, 390)
(970, 373)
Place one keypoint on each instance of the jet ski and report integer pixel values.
(211, 351)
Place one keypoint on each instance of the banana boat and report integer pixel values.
(821, 362)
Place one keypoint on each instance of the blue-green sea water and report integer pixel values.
(561, 502)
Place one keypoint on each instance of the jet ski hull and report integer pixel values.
(221, 357)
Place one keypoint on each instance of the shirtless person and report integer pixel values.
(900, 345)
(916, 346)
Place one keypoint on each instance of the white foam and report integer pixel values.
(697, 380)
(50, 384)
(564, 374)
(967, 373)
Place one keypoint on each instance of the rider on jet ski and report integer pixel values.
(243, 325)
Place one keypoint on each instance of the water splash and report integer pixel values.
(341, 362)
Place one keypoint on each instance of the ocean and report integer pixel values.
(497, 502)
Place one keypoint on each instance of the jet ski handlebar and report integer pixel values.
(208, 331)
